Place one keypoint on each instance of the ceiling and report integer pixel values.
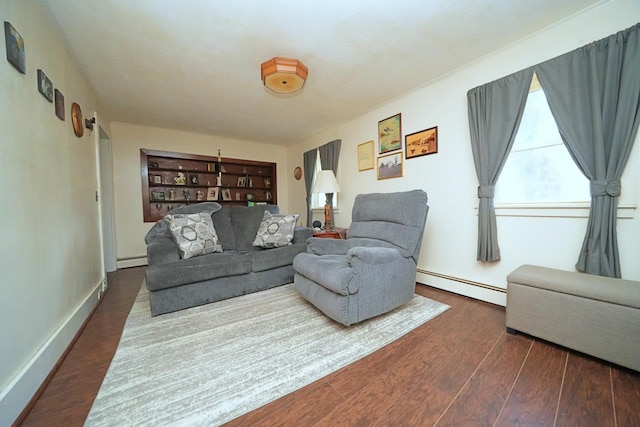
(195, 65)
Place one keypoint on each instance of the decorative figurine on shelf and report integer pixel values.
(172, 194)
(186, 194)
(180, 179)
(199, 195)
(194, 179)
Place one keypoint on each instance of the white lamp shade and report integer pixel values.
(326, 183)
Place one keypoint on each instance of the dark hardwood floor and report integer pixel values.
(460, 368)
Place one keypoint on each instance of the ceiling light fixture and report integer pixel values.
(283, 75)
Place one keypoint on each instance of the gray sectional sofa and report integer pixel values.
(175, 283)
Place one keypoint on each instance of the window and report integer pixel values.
(539, 169)
(318, 199)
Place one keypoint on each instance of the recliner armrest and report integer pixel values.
(320, 246)
(375, 256)
(162, 250)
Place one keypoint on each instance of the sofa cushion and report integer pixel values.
(194, 233)
(246, 221)
(162, 226)
(266, 259)
(275, 230)
(198, 269)
(222, 223)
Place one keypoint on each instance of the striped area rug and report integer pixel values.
(207, 365)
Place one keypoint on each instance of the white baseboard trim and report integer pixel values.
(476, 290)
(132, 261)
(16, 396)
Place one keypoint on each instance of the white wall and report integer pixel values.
(449, 245)
(49, 252)
(128, 139)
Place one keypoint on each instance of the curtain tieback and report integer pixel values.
(486, 191)
(603, 188)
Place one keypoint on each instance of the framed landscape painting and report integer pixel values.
(421, 143)
(389, 133)
(390, 166)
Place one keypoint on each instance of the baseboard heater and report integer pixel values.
(465, 281)
(132, 261)
(469, 288)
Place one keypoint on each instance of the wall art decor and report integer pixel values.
(297, 173)
(77, 119)
(390, 133)
(45, 87)
(365, 156)
(59, 102)
(390, 166)
(226, 194)
(15, 48)
(421, 143)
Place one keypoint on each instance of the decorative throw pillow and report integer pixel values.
(275, 230)
(194, 233)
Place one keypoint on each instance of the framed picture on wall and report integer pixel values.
(421, 143)
(390, 166)
(365, 156)
(45, 87)
(226, 194)
(59, 102)
(390, 133)
(14, 44)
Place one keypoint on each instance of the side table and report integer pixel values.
(337, 233)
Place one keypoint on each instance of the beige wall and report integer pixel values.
(128, 139)
(449, 246)
(50, 260)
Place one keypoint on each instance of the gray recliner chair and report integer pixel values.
(373, 270)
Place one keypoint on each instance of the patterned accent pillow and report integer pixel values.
(275, 230)
(194, 234)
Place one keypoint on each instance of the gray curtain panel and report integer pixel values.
(309, 161)
(495, 111)
(329, 157)
(594, 95)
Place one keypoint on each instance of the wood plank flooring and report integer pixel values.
(459, 369)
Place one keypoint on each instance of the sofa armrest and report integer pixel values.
(301, 234)
(162, 250)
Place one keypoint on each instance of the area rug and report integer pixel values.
(207, 365)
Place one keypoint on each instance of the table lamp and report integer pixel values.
(326, 183)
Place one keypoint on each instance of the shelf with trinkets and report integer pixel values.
(173, 179)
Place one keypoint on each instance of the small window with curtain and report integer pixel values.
(318, 199)
(539, 169)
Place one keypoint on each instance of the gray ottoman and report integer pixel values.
(596, 315)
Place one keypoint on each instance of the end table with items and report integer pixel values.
(336, 233)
